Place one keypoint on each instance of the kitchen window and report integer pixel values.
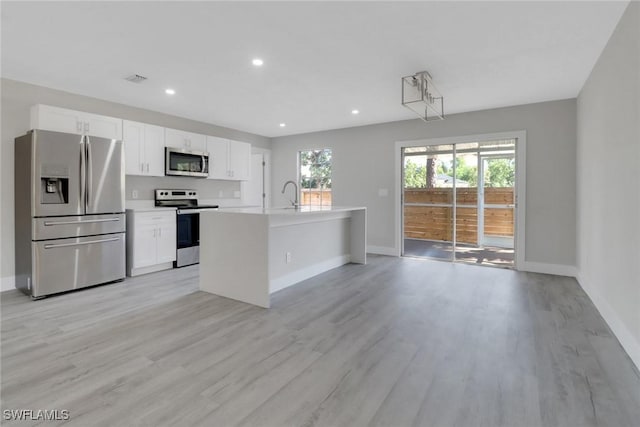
(315, 177)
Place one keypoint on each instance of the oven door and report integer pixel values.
(181, 162)
(188, 242)
(188, 230)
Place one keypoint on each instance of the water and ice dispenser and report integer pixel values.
(54, 190)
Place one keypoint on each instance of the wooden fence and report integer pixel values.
(436, 222)
(315, 197)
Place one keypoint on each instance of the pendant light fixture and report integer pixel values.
(421, 96)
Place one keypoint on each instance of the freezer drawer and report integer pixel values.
(74, 226)
(67, 264)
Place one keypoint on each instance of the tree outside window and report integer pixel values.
(315, 177)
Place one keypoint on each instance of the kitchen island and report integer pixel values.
(248, 253)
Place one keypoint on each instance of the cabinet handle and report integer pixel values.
(141, 167)
(155, 230)
(159, 232)
(147, 167)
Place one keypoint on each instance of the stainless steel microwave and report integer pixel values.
(184, 162)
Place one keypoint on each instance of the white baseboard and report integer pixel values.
(151, 269)
(382, 250)
(307, 272)
(547, 268)
(617, 326)
(8, 283)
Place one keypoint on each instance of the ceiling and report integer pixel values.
(321, 59)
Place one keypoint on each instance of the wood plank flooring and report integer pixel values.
(398, 342)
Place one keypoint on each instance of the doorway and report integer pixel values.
(256, 191)
(459, 202)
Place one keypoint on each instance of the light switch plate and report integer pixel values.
(134, 194)
(383, 192)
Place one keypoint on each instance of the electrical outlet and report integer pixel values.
(288, 257)
(134, 194)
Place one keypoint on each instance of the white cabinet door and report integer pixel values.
(240, 160)
(154, 150)
(182, 139)
(102, 126)
(63, 120)
(218, 149)
(56, 119)
(166, 240)
(144, 246)
(133, 139)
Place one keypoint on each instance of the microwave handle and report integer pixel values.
(205, 165)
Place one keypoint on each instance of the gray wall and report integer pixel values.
(363, 162)
(609, 182)
(18, 97)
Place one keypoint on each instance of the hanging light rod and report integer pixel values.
(421, 96)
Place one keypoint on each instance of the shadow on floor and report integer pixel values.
(486, 255)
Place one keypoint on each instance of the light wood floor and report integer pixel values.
(398, 342)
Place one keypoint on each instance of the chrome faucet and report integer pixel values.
(294, 203)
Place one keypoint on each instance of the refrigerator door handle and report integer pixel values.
(90, 242)
(83, 175)
(91, 221)
(89, 184)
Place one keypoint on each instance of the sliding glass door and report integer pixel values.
(459, 202)
(428, 201)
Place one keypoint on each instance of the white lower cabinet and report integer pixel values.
(151, 241)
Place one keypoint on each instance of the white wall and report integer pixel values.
(609, 183)
(363, 162)
(17, 98)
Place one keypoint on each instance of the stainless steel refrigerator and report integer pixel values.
(69, 212)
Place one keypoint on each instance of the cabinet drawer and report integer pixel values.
(158, 218)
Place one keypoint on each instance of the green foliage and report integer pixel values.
(500, 173)
(467, 173)
(318, 165)
(415, 176)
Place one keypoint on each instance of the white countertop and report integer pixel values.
(302, 210)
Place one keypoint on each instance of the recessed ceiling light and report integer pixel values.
(355, 111)
(170, 91)
(282, 125)
(257, 62)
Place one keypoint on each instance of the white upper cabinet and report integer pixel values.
(240, 160)
(143, 148)
(218, 149)
(229, 160)
(59, 119)
(182, 139)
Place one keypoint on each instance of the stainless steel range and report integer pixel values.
(188, 227)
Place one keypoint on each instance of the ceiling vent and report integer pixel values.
(135, 78)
